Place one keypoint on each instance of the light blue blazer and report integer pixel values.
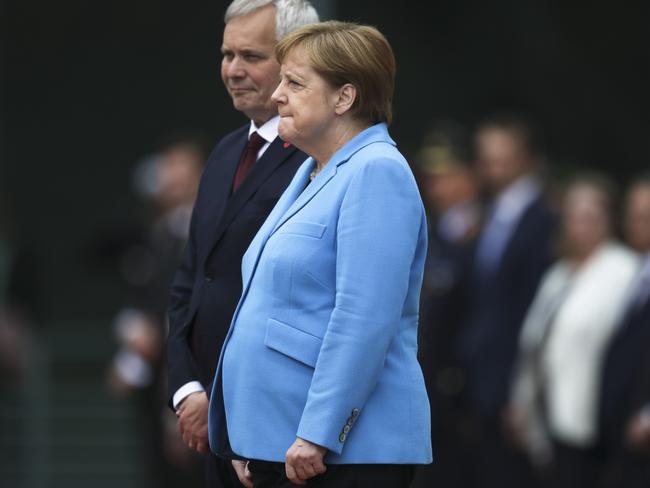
(323, 344)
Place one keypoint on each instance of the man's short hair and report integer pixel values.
(519, 127)
(289, 14)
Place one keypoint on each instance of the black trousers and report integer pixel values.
(219, 473)
(627, 469)
(273, 475)
(498, 463)
(576, 467)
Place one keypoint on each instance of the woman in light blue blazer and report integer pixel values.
(318, 381)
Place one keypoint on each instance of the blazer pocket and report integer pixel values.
(310, 229)
(292, 342)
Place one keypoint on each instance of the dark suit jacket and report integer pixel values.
(208, 283)
(625, 386)
(443, 310)
(498, 302)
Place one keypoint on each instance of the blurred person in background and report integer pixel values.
(168, 181)
(245, 175)
(513, 251)
(450, 188)
(624, 407)
(565, 335)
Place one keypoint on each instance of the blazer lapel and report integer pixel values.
(297, 196)
(375, 133)
(273, 157)
(291, 194)
(221, 181)
(305, 196)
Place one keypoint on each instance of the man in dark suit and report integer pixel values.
(513, 251)
(245, 175)
(624, 408)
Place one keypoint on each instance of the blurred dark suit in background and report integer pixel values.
(624, 407)
(513, 251)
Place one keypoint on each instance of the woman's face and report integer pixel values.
(306, 102)
(585, 222)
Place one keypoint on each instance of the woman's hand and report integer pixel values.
(304, 460)
(244, 475)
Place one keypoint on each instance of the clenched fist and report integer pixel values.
(304, 460)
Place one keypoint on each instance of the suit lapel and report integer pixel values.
(221, 181)
(273, 157)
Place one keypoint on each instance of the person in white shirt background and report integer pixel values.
(553, 410)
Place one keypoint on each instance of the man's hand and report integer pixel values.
(304, 460)
(244, 475)
(192, 416)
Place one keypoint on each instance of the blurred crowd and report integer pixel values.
(535, 317)
(146, 254)
(535, 323)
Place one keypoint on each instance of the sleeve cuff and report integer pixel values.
(184, 391)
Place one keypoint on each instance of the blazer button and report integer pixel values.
(350, 421)
(342, 438)
(355, 413)
(346, 429)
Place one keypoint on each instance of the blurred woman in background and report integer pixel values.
(580, 301)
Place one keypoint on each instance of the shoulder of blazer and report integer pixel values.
(365, 143)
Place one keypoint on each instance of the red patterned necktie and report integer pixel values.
(248, 159)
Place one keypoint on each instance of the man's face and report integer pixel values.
(637, 217)
(249, 69)
(502, 157)
(446, 188)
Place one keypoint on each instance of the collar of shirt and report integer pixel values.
(268, 131)
(512, 201)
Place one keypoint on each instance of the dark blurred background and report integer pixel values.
(88, 89)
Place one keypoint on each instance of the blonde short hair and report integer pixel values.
(343, 52)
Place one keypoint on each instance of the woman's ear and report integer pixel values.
(347, 94)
